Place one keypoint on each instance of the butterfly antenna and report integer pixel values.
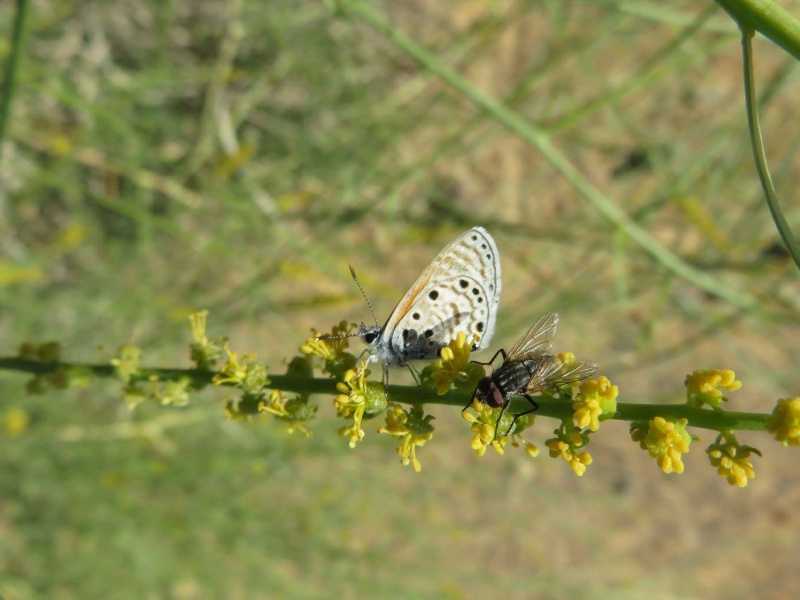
(361, 289)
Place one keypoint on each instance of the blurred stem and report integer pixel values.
(757, 140)
(10, 75)
(544, 145)
(553, 407)
(769, 19)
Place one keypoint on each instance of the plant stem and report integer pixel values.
(10, 75)
(553, 407)
(757, 141)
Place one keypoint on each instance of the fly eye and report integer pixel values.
(484, 385)
(497, 399)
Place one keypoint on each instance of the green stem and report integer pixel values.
(10, 75)
(757, 141)
(556, 408)
(768, 19)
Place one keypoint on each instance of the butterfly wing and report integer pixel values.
(537, 340)
(458, 291)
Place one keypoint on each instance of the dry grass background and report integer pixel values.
(237, 156)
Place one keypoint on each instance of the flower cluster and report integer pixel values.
(784, 422)
(59, 378)
(358, 397)
(732, 460)
(595, 400)
(412, 428)
(665, 440)
(486, 424)
(204, 353)
(242, 372)
(567, 444)
(293, 411)
(703, 387)
(331, 349)
(454, 366)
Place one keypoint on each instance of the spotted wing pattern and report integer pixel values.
(458, 291)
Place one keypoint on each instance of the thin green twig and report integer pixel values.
(757, 140)
(553, 407)
(10, 75)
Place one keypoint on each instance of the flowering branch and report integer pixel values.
(579, 409)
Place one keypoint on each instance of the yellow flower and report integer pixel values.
(358, 397)
(15, 421)
(454, 366)
(412, 428)
(664, 440)
(597, 398)
(702, 387)
(331, 348)
(294, 411)
(176, 392)
(784, 422)
(485, 427)
(732, 460)
(566, 444)
(565, 358)
(204, 352)
(127, 363)
(244, 373)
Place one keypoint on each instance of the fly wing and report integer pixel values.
(537, 340)
(552, 373)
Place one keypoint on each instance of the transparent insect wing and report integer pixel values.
(552, 373)
(537, 340)
(458, 291)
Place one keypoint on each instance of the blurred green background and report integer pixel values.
(170, 156)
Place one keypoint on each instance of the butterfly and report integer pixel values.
(529, 368)
(458, 291)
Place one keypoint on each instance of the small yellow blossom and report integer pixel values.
(454, 366)
(732, 460)
(244, 373)
(702, 387)
(412, 428)
(596, 399)
(665, 440)
(565, 358)
(127, 362)
(15, 421)
(352, 402)
(204, 352)
(176, 392)
(566, 444)
(485, 428)
(331, 348)
(294, 411)
(784, 422)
